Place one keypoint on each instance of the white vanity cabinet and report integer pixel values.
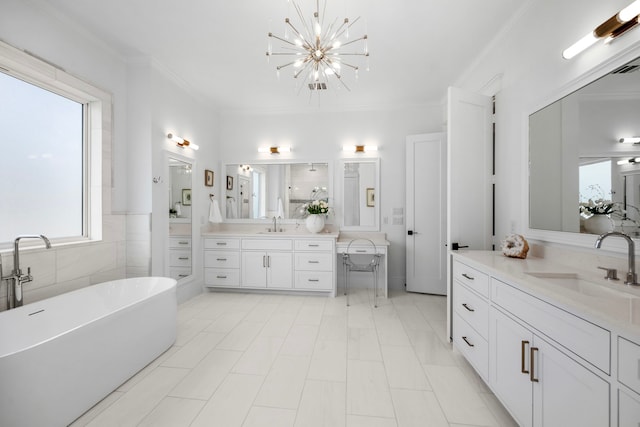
(222, 262)
(267, 263)
(179, 257)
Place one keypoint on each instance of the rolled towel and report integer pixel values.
(214, 212)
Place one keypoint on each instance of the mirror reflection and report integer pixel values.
(582, 178)
(359, 194)
(179, 190)
(179, 187)
(262, 191)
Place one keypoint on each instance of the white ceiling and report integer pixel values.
(417, 47)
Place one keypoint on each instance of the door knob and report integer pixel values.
(411, 232)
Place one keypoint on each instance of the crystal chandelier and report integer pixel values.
(317, 48)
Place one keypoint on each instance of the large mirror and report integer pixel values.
(582, 178)
(179, 186)
(359, 195)
(257, 191)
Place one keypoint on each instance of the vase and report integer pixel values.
(598, 224)
(315, 223)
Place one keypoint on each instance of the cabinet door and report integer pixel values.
(566, 393)
(279, 271)
(509, 351)
(254, 272)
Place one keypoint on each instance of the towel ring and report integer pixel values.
(211, 196)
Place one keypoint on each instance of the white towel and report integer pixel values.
(232, 209)
(214, 212)
(280, 213)
(178, 209)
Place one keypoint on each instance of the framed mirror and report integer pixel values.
(359, 194)
(179, 210)
(582, 178)
(257, 191)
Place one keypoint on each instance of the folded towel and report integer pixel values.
(280, 213)
(232, 209)
(178, 209)
(214, 212)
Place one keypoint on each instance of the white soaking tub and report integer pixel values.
(62, 355)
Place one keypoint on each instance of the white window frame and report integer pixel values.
(96, 115)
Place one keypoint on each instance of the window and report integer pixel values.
(595, 181)
(50, 151)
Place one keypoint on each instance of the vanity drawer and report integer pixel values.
(179, 242)
(313, 245)
(178, 258)
(222, 277)
(221, 259)
(629, 364)
(178, 273)
(267, 244)
(314, 280)
(221, 243)
(314, 262)
(628, 410)
(472, 309)
(585, 339)
(471, 345)
(471, 277)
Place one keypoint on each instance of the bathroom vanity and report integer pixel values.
(555, 346)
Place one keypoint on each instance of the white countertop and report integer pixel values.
(611, 304)
(260, 230)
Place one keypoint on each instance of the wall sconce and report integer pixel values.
(359, 148)
(182, 142)
(274, 150)
(631, 161)
(246, 168)
(610, 29)
(630, 140)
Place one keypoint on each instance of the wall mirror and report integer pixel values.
(256, 191)
(582, 179)
(179, 186)
(359, 194)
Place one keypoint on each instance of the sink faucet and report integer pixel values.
(16, 275)
(275, 223)
(632, 278)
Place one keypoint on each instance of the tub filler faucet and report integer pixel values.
(16, 277)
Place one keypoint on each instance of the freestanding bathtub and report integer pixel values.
(60, 356)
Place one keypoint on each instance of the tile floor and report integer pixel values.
(280, 360)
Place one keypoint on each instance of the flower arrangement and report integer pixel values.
(598, 207)
(318, 207)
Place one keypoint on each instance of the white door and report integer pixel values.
(469, 175)
(426, 213)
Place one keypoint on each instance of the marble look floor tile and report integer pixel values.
(241, 337)
(310, 315)
(412, 318)
(204, 379)
(460, 402)
(262, 312)
(429, 349)
(363, 345)
(300, 341)
(231, 403)
(194, 351)
(86, 418)
(391, 331)
(259, 357)
(226, 322)
(172, 412)
(360, 317)
(135, 404)
(278, 325)
(403, 368)
(188, 330)
(368, 390)
(361, 421)
(329, 361)
(270, 417)
(283, 385)
(148, 369)
(333, 328)
(415, 408)
(322, 405)
(502, 415)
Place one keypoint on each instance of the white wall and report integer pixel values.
(320, 136)
(527, 61)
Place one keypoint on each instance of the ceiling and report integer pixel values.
(417, 47)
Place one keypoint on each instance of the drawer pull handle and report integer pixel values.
(221, 243)
(466, 276)
(221, 259)
(532, 375)
(183, 258)
(522, 356)
(221, 277)
(313, 280)
(314, 262)
(467, 341)
(183, 243)
(362, 251)
(313, 246)
(182, 275)
(467, 307)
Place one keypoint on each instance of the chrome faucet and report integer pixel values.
(16, 276)
(275, 223)
(632, 278)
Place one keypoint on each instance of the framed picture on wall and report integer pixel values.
(186, 197)
(229, 182)
(371, 197)
(208, 178)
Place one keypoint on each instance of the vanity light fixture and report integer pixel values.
(630, 140)
(359, 148)
(631, 161)
(610, 29)
(274, 150)
(180, 142)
